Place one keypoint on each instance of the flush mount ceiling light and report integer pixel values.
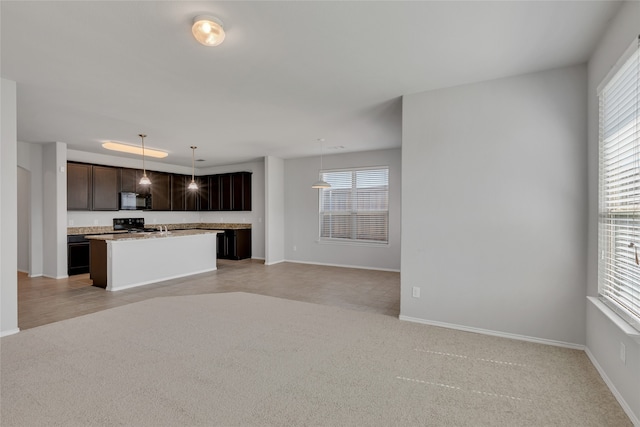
(208, 30)
(193, 185)
(320, 183)
(133, 149)
(144, 180)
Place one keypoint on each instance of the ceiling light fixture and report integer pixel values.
(193, 185)
(133, 149)
(320, 183)
(208, 30)
(144, 180)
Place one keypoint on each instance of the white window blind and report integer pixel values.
(619, 222)
(356, 207)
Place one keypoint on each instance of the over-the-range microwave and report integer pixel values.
(134, 201)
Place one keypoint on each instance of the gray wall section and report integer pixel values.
(30, 159)
(494, 185)
(603, 337)
(274, 210)
(8, 209)
(24, 217)
(301, 212)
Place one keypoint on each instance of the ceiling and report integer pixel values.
(287, 74)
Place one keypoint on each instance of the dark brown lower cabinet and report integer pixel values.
(98, 266)
(78, 255)
(234, 244)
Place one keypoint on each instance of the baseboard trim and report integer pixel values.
(493, 333)
(274, 263)
(56, 277)
(9, 332)
(625, 406)
(361, 267)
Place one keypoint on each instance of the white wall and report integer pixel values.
(30, 159)
(494, 185)
(274, 210)
(8, 210)
(603, 338)
(301, 213)
(54, 175)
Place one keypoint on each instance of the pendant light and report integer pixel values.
(320, 183)
(193, 185)
(144, 180)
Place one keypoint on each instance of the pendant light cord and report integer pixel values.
(193, 162)
(144, 169)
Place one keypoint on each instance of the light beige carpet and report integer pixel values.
(250, 360)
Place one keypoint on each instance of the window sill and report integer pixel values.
(617, 320)
(351, 243)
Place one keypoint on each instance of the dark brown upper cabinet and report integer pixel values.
(203, 193)
(226, 192)
(160, 191)
(106, 188)
(128, 180)
(78, 186)
(178, 192)
(241, 190)
(97, 187)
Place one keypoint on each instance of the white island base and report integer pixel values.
(126, 261)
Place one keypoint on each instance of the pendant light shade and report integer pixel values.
(192, 184)
(145, 179)
(320, 183)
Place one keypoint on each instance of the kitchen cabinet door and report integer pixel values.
(128, 180)
(203, 193)
(234, 244)
(241, 191)
(178, 192)
(160, 191)
(78, 187)
(226, 192)
(106, 187)
(214, 192)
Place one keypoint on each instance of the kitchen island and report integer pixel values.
(122, 261)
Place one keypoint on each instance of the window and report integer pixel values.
(356, 207)
(619, 188)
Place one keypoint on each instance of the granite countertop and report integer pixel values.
(151, 235)
(185, 226)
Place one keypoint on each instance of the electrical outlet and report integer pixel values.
(70, 223)
(416, 292)
(295, 248)
(96, 222)
(623, 353)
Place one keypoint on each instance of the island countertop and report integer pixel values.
(97, 229)
(150, 235)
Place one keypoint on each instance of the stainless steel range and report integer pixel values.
(132, 225)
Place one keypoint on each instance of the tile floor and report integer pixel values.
(42, 300)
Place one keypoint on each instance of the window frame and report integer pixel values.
(353, 212)
(616, 220)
